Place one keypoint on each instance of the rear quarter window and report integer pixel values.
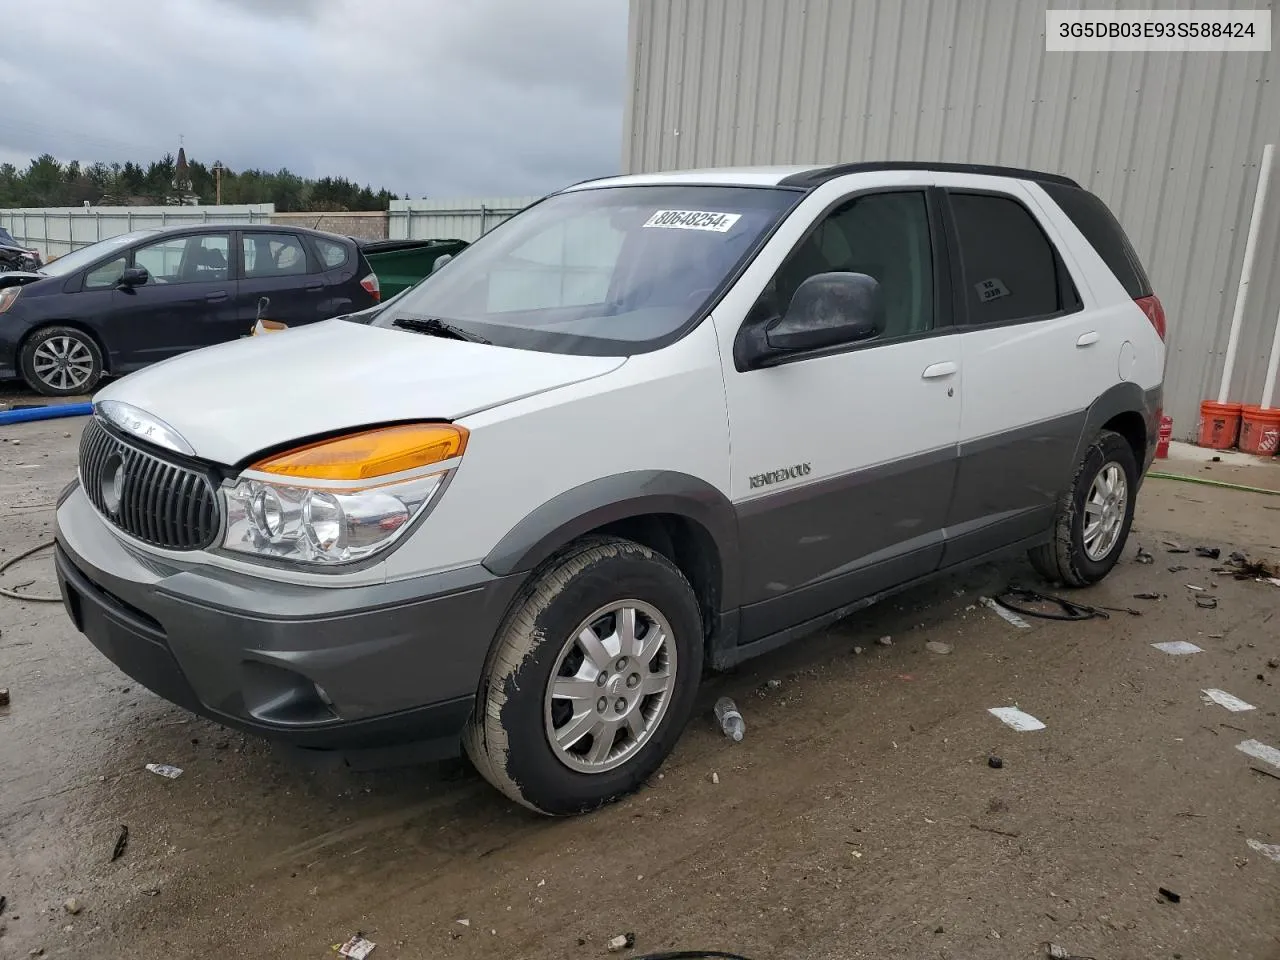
(1104, 233)
(332, 253)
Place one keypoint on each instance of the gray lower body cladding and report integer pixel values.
(348, 669)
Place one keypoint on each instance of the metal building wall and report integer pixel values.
(1171, 141)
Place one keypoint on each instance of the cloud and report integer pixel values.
(426, 97)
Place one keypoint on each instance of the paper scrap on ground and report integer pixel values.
(1269, 850)
(357, 948)
(1260, 751)
(1013, 717)
(1224, 699)
(1006, 613)
(1177, 647)
(165, 770)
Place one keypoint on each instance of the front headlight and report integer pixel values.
(344, 499)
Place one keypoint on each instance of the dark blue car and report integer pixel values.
(123, 303)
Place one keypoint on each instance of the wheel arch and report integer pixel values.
(75, 325)
(1130, 411)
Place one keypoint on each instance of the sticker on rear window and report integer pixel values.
(694, 220)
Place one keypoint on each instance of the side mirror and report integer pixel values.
(441, 261)
(134, 277)
(829, 309)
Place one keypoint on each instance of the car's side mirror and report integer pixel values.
(134, 277)
(441, 261)
(827, 310)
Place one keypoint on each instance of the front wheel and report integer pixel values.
(591, 680)
(1094, 516)
(61, 362)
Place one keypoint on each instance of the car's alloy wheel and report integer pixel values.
(61, 362)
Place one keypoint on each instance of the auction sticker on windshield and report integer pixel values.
(694, 220)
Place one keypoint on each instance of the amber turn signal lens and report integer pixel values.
(370, 454)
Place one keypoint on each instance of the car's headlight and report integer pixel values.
(7, 297)
(343, 499)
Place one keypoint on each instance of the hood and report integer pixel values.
(234, 400)
(19, 278)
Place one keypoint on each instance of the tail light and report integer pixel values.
(1155, 312)
(371, 287)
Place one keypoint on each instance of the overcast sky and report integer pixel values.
(426, 97)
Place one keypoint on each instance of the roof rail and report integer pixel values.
(820, 175)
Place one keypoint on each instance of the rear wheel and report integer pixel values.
(592, 679)
(61, 362)
(1094, 516)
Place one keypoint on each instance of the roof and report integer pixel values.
(202, 227)
(808, 176)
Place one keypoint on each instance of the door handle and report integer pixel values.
(315, 285)
(1088, 339)
(216, 297)
(936, 370)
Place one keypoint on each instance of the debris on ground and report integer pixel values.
(857, 651)
(122, 842)
(1055, 952)
(4, 696)
(165, 770)
(1005, 614)
(1070, 610)
(1260, 751)
(1265, 773)
(1015, 718)
(1196, 587)
(1169, 895)
(1269, 850)
(1207, 602)
(1274, 663)
(72, 906)
(623, 941)
(1209, 553)
(995, 763)
(357, 948)
(937, 646)
(715, 777)
(773, 684)
(463, 922)
(1147, 596)
(1177, 648)
(885, 641)
(1224, 699)
(1242, 568)
(1177, 568)
(730, 719)
(4, 901)
(1144, 556)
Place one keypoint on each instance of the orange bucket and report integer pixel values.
(1219, 424)
(1259, 430)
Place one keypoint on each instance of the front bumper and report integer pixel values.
(367, 671)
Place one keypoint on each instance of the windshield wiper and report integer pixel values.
(437, 328)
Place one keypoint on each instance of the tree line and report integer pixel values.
(48, 183)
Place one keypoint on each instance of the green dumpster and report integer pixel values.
(400, 264)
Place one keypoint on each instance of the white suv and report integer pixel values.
(651, 424)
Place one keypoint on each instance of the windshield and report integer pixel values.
(73, 261)
(607, 271)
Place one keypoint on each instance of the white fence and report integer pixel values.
(58, 230)
(463, 219)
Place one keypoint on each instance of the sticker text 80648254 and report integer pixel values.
(694, 220)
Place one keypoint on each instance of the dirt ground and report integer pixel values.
(859, 818)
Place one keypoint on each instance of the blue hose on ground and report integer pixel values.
(46, 413)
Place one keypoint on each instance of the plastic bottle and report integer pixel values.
(731, 722)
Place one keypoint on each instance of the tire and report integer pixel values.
(509, 736)
(1070, 558)
(49, 344)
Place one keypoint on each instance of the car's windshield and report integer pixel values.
(73, 261)
(603, 271)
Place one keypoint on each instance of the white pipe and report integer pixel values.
(1246, 271)
(1268, 391)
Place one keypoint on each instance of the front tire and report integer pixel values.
(1094, 516)
(591, 680)
(61, 362)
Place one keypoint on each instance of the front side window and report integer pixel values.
(605, 271)
(1008, 268)
(273, 255)
(105, 274)
(201, 258)
(882, 235)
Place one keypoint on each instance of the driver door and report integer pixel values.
(843, 460)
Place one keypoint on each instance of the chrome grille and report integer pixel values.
(152, 499)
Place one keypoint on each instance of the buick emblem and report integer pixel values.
(111, 483)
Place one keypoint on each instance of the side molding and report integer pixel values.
(610, 499)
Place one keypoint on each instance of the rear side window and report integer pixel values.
(1009, 270)
(273, 255)
(332, 254)
(1104, 233)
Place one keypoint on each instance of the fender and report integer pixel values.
(575, 512)
(1121, 398)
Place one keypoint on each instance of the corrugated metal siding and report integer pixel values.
(58, 230)
(1172, 142)
(464, 219)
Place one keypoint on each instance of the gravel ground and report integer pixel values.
(859, 818)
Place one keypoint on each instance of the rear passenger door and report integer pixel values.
(277, 265)
(1034, 359)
